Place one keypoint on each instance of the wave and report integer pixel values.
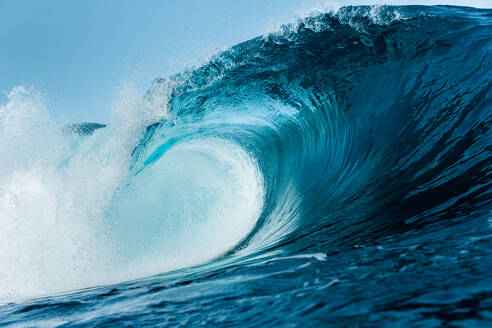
(363, 126)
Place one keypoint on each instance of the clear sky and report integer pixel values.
(77, 53)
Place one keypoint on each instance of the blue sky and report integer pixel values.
(77, 53)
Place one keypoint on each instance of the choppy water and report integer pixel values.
(335, 172)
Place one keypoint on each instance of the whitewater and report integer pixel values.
(333, 172)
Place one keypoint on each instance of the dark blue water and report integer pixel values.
(369, 133)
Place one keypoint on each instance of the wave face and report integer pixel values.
(334, 172)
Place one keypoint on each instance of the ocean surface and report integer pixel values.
(334, 172)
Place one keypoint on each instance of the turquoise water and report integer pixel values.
(335, 172)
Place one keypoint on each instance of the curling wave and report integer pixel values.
(340, 137)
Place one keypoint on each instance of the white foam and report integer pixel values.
(69, 221)
(194, 204)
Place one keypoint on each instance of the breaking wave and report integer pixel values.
(351, 149)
